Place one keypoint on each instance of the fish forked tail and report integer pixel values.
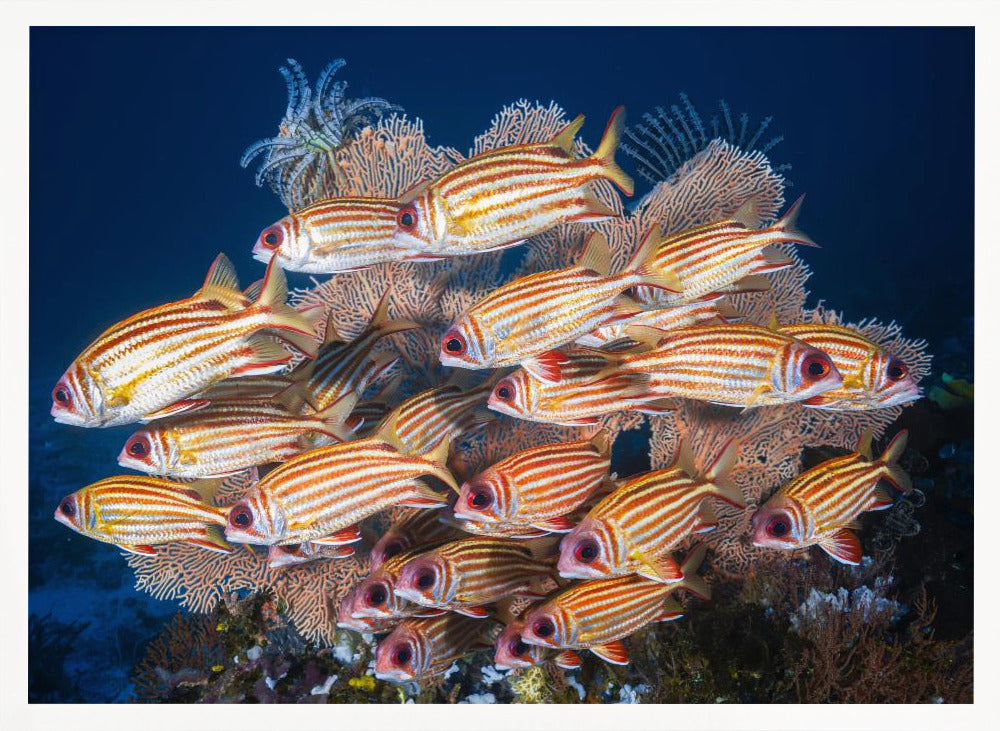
(788, 226)
(717, 474)
(335, 420)
(605, 154)
(289, 324)
(436, 459)
(889, 459)
(692, 582)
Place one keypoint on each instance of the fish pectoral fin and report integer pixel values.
(843, 546)
(568, 660)
(475, 612)
(612, 652)
(663, 569)
(546, 366)
(757, 394)
(177, 407)
(142, 550)
(214, 540)
(351, 534)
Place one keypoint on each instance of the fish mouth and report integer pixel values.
(501, 407)
(262, 254)
(411, 595)
(447, 359)
(393, 676)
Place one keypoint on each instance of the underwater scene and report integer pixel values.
(636, 367)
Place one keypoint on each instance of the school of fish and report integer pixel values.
(593, 557)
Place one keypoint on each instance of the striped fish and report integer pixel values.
(504, 196)
(249, 388)
(538, 487)
(227, 437)
(596, 615)
(345, 620)
(336, 235)
(297, 553)
(512, 653)
(422, 648)
(693, 314)
(137, 513)
(523, 320)
(343, 368)
(376, 595)
(589, 387)
(873, 377)
(633, 530)
(416, 528)
(149, 365)
(734, 365)
(463, 575)
(821, 506)
(321, 495)
(709, 258)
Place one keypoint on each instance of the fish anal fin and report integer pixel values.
(351, 534)
(880, 500)
(559, 524)
(474, 612)
(593, 211)
(142, 550)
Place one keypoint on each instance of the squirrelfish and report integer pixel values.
(820, 506)
(227, 437)
(596, 615)
(422, 648)
(416, 528)
(590, 386)
(734, 365)
(335, 235)
(693, 314)
(376, 595)
(463, 575)
(293, 554)
(150, 364)
(537, 487)
(633, 529)
(706, 259)
(513, 653)
(137, 513)
(873, 377)
(321, 495)
(504, 196)
(523, 320)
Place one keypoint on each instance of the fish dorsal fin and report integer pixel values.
(612, 652)
(865, 444)
(685, 460)
(843, 546)
(331, 335)
(565, 138)
(646, 335)
(596, 255)
(772, 322)
(222, 285)
(748, 214)
(412, 192)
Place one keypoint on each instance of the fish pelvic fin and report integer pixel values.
(605, 154)
(890, 457)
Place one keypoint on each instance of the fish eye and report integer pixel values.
(815, 366)
(138, 446)
(241, 517)
(67, 507)
(272, 236)
(778, 528)
(376, 596)
(401, 655)
(425, 579)
(544, 627)
(391, 549)
(479, 498)
(897, 370)
(454, 343)
(505, 390)
(407, 217)
(587, 550)
(60, 394)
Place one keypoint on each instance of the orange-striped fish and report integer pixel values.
(422, 648)
(298, 553)
(346, 367)
(137, 513)
(590, 386)
(227, 437)
(538, 487)
(336, 235)
(522, 321)
(321, 495)
(513, 653)
(463, 575)
(596, 615)
(706, 259)
(873, 377)
(373, 625)
(734, 365)
(376, 595)
(416, 528)
(504, 196)
(633, 530)
(820, 506)
(716, 311)
(150, 364)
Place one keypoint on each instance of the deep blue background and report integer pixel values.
(135, 186)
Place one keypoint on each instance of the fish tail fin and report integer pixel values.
(788, 225)
(381, 323)
(890, 457)
(207, 488)
(290, 325)
(334, 419)
(719, 476)
(605, 153)
(643, 264)
(692, 582)
(438, 459)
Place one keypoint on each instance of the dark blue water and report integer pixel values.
(135, 186)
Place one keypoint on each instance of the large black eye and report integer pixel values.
(897, 371)
(454, 343)
(407, 217)
(505, 390)
(425, 579)
(68, 507)
(138, 446)
(376, 596)
(402, 655)
(241, 516)
(271, 237)
(391, 549)
(815, 366)
(587, 550)
(544, 628)
(61, 395)
(479, 498)
(778, 527)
